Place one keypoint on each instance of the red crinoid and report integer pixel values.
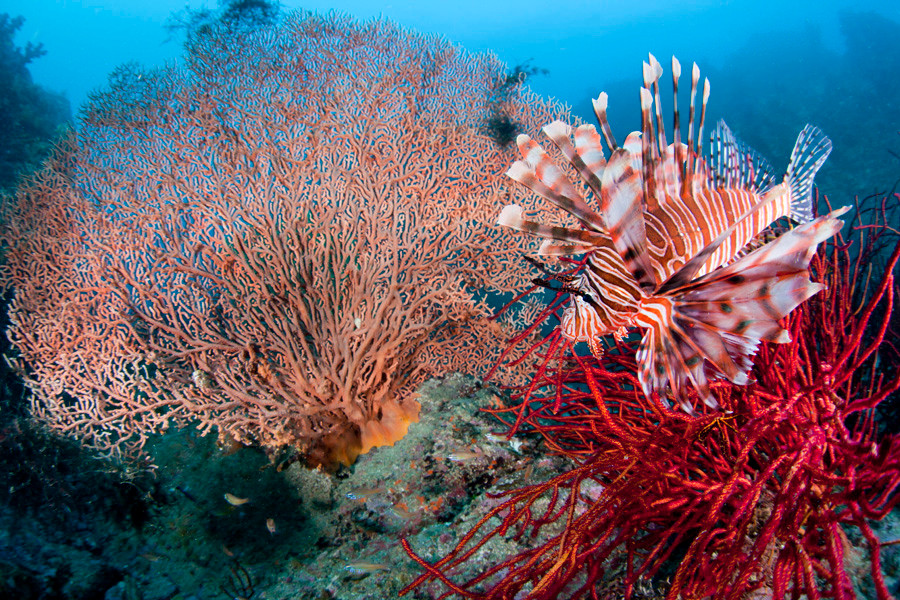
(759, 497)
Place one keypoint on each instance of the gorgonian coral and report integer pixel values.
(759, 497)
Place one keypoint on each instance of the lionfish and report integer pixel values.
(682, 246)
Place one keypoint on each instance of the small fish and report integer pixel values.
(495, 438)
(363, 494)
(402, 512)
(234, 500)
(150, 556)
(665, 252)
(465, 455)
(515, 443)
(270, 525)
(361, 568)
(186, 493)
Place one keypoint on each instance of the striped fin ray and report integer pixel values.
(655, 74)
(693, 161)
(574, 241)
(752, 309)
(589, 146)
(667, 357)
(789, 252)
(649, 151)
(600, 104)
(765, 236)
(586, 156)
(676, 118)
(633, 145)
(538, 173)
(724, 161)
(549, 248)
(695, 78)
(620, 202)
(702, 118)
(810, 151)
(734, 164)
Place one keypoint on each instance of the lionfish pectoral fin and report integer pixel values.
(810, 151)
(718, 320)
(723, 316)
(586, 155)
(596, 346)
(573, 240)
(728, 356)
(550, 248)
(621, 202)
(787, 254)
(600, 104)
(667, 358)
(538, 172)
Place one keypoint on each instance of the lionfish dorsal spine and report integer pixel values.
(702, 119)
(656, 72)
(690, 163)
(648, 147)
(679, 151)
(600, 104)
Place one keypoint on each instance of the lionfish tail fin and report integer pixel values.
(810, 151)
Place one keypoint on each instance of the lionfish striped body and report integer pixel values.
(676, 247)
